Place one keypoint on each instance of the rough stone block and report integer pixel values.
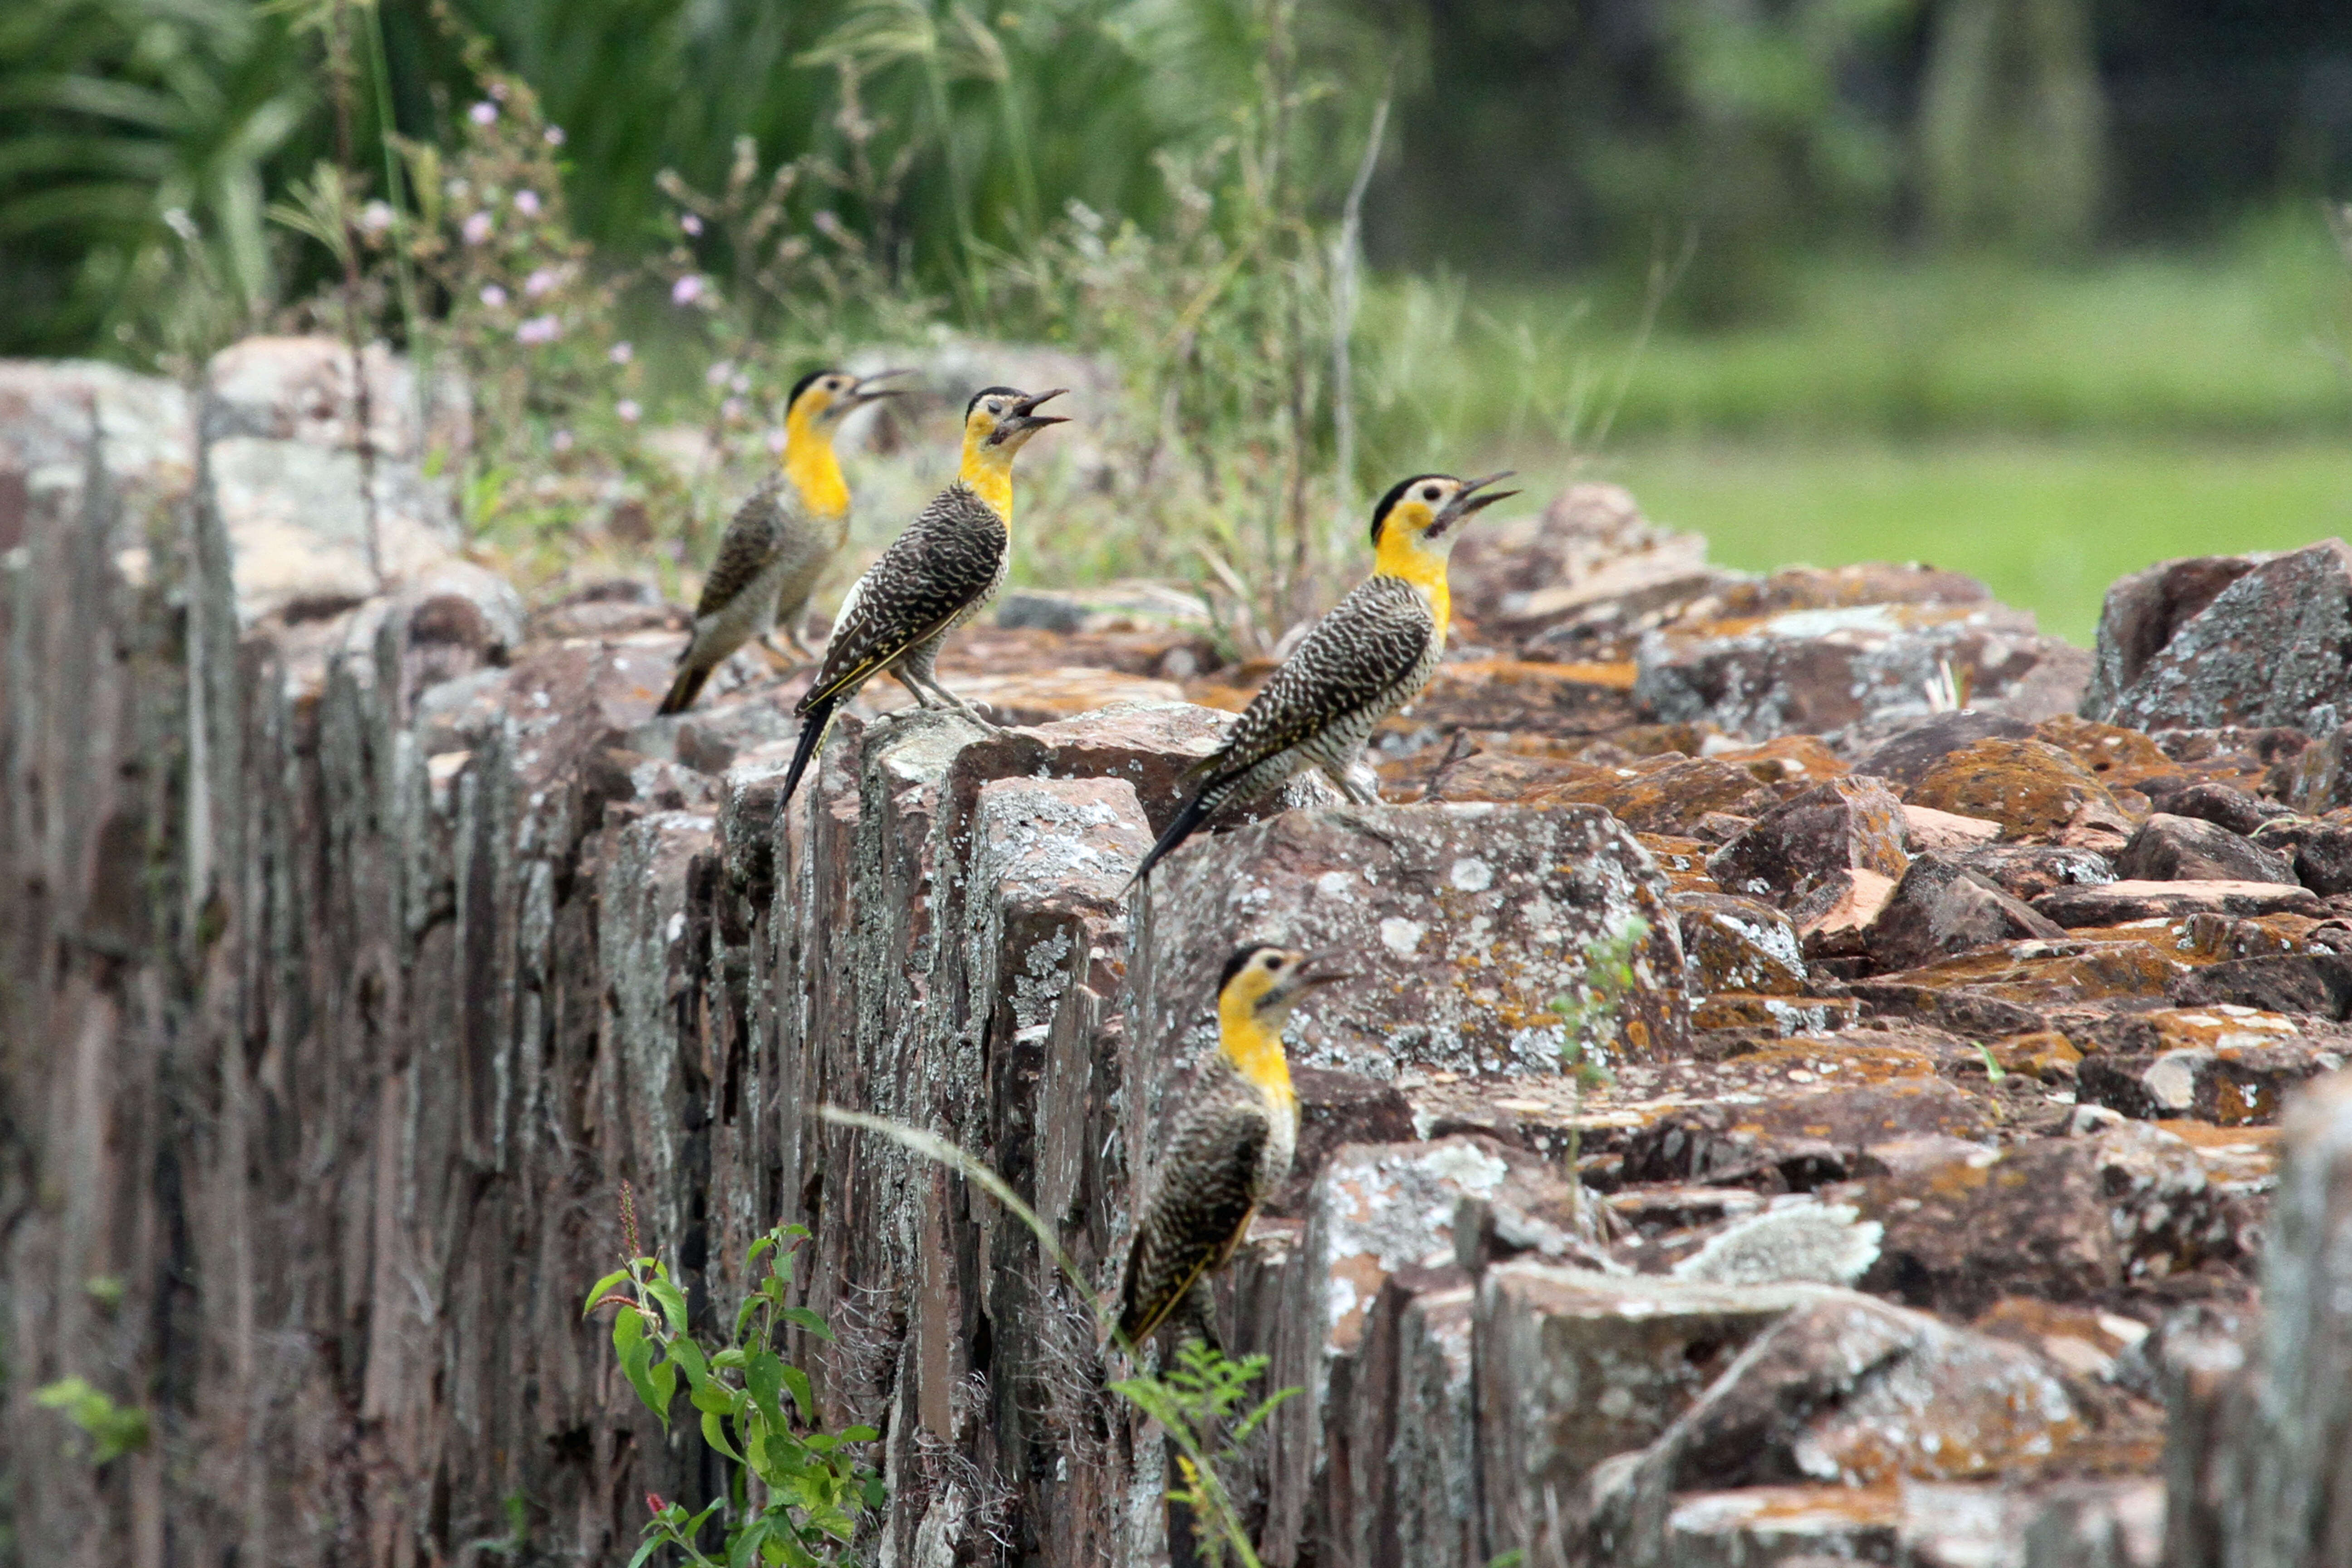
(2026, 871)
(1463, 921)
(2119, 903)
(2169, 848)
(1576, 1366)
(2141, 613)
(2268, 648)
(1852, 824)
(1731, 944)
(1941, 908)
(2316, 983)
(1797, 1140)
(2032, 788)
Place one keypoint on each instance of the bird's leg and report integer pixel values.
(779, 661)
(1195, 1317)
(966, 708)
(1356, 790)
(922, 698)
(793, 635)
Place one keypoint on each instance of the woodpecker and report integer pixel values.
(1371, 654)
(932, 579)
(1234, 1143)
(780, 540)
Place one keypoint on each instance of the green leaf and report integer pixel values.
(764, 1375)
(664, 1379)
(859, 1435)
(715, 1434)
(688, 1355)
(672, 1300)
(728, 1360)
(809, 1321)
(637, 1353)
(597, 1291)
(802, 1395)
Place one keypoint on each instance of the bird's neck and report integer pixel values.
(1254, 1045)
(987, 472)
(1403, 555)
(813, 471)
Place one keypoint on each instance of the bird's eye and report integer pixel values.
(1429, 492)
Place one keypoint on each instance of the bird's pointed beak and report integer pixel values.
(1325, 966)
(1024, 419)
(869, 392)
(1472, 499)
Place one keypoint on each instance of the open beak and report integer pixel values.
(869, 392)
(1468, 501)
(1316, 970)
(1024, 417)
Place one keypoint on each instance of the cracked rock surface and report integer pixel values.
(1955, 1181)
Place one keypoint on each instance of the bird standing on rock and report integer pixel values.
(1234, 1143)
(781, 539)
(933, 578)
(1375, 652)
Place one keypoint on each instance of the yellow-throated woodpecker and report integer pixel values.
(1370, 657)
(1234, 1143)
(932, 579)
(780, 540)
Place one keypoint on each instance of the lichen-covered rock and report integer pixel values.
(2026, 871)
(2140, 615)
(1941, 908)
(2120, 904)
(2322, 850)
(2267, 648)
(1846, 824)
(2227, 1064)
(2182, 848)
(2032, 789)
(2317, 984)
(1732, 943)
(1817, 670)
(1795, 1141)
(1465, 921)
(1614, 1362)
(1846, 1391)
(2014, 988)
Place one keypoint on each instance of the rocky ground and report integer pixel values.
(1954, 1198)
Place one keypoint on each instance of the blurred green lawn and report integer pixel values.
(2043, 429)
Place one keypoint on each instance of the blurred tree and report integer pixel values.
(2012, 125)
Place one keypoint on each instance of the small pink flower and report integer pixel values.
(687, 289)
(654, 1501)
(691, 223)
(622, 353)
(554, 136)
(562, 441)
(776, 442)
(483, 113)
(628, 410)
(740, 382)
(717, 374)
(732, 409)
(375, 217)
(493, 296)
(526, 203)
(477, 227)
(539, 330)
(540, 281)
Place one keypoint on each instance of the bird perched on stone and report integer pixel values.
(933, 578)
(781, 539)
(1232, 1143)
(1371, 654)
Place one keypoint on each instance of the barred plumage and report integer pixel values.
(935, 576)
(1375, 652)
(1228, 1150)
(1232, 1143)
(780, 542)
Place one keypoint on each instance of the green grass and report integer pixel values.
(2048, 525)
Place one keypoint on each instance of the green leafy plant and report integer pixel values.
(1194, 1401)
(112, 1429)
(1589, 1019)
(797, 1494)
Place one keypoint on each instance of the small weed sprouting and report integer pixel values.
(1201, 1395)
(1589, 1018)
(798, 1494)
(1193, 1401)
(112, 1429)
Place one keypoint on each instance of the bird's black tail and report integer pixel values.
(1196, 811)
(813, 725)
(684, 689)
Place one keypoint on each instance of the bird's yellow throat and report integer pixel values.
(1402, 554)
(987, 471)
(1253, 1044)
(810, 463)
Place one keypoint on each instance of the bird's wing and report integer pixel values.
(748, 547)
(1353, 658)
(946, 560)
(1207, 1192)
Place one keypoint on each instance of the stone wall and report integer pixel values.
(363, 934)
